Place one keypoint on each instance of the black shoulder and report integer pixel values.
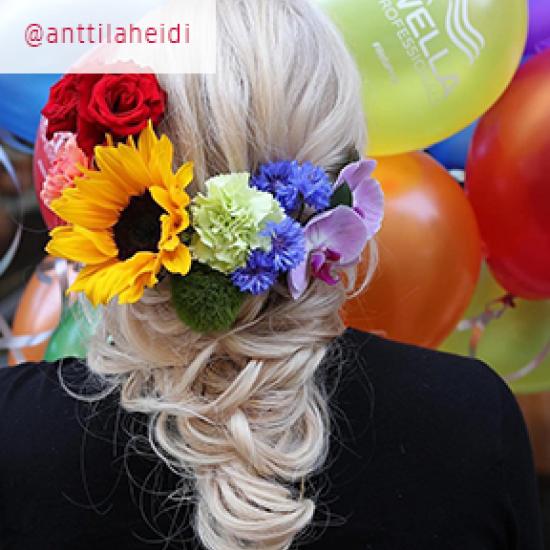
(30, 387)
(405, 374)
(76, 469)
(370, 348)
(429, 449)
(405, 409)
(39, 407)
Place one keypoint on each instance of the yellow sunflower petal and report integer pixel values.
(142, 272)
(162, 172)
(171, 227)
(162, 198)
(103, 240)
(101, 192)
(134, 168)
(138, 264)
(147, 141)
(184, 175)
(87, 281)
(183, 221)
(123, 165)
(170, 244)
(135, 292)
(102, 283)
(75, 209)
(81, 245)
(167, 229)
(172, 200)
(160, 163)
(112, 172)
(164, 153)
(99, 282)
(179, 196)
(178, 261)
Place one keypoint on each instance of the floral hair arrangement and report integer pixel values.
(129, 221)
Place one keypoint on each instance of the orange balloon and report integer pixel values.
(430, 255)
(39, 310)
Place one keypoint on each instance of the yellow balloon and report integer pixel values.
(429, 67)
(511, 342)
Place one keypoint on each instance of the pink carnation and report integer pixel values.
(64, 169)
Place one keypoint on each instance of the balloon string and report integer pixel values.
(7, 258)
(17, 343)
(6, 340)
(530, 367)
(494, 311)
(9, 139)
(9, 255)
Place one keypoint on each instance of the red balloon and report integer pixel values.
(508, 182)
(44, 154)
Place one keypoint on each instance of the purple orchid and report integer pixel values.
(368, 198)
(336, 238)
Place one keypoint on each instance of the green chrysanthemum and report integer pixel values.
(229, 219)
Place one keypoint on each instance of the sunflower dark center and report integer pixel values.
(138, 228)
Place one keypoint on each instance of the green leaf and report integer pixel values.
(342, 196)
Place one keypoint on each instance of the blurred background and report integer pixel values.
(457, 99)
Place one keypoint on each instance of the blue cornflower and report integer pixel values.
(288, 244)
(277, 178)
(258, 276)
(314, 186)
(293, 184)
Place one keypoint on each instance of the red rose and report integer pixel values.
(61, 109)
(92, 105)
(118, 104)
(88, 132)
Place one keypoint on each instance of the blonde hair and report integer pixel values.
(242, 415)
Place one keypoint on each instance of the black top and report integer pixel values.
(429, 451)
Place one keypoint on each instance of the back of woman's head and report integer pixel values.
(241, 414)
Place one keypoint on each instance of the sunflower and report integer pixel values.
(125, 218)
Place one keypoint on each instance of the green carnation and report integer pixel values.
(228, 221)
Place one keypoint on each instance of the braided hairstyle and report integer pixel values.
(241, 415)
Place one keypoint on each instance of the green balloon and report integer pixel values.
(429, 67)
(511, 342)
(71, 335)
